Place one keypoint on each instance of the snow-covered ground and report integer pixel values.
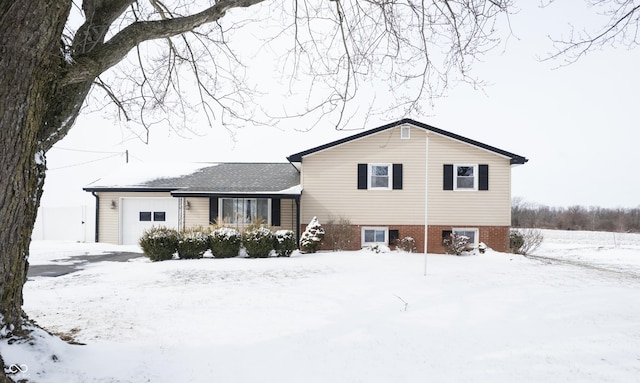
(342, 317)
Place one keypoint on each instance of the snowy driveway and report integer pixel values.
(68, 265)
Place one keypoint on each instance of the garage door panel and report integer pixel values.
(140, 214)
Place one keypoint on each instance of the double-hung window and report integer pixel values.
(244, 211)
(380, 176)
(465, 177)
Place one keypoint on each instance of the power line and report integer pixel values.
(87, 151)
(87, 162)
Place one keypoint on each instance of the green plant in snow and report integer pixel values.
(312, 236)
(525, 241)
(159, 243)
(192, 243)
(258, 241)
(225, 242)
(285, 242)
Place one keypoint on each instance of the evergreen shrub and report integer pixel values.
(258, 241)
(159, 243)
(225, 242)
(311, 239)
(285, 243)
(193, 243)
(516, 241)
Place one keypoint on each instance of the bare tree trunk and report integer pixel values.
(30, 64)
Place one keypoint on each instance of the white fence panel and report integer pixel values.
(72, 223)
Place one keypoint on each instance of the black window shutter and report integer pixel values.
(362, 176)
(483, 181)
(394, 236)
(448, 177)
(397, 176)
(213, 210)
(275, 212)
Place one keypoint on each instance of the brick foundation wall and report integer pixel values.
(495, 237)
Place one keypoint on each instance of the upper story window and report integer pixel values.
(466, 177)
(379, 176)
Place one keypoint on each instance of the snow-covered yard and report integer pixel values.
(342, 317)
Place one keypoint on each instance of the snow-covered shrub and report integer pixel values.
(225, 242)
(407, 244)
(285, 242)
(312, 237)
(192, 243)
(456, 244)
(159, 243)
(378, 248)
(258, 241)
(482, 247)
(516, 240)
(338, 234)
(525, 241)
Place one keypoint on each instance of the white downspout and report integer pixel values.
(426, 195)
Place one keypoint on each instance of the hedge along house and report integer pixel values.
(191, 195)
(409, 179)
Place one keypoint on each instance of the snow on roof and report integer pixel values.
(140, 174)
(292, 190)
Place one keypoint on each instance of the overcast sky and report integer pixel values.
(577, 125)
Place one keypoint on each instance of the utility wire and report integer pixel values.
(87, 162)
(87, 151)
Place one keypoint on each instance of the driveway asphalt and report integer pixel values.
(76, 263)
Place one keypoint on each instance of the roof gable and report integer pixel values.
(514, 158)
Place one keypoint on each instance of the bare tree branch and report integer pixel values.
(621, 27)
(102, 57)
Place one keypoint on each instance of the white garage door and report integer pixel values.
(139, 214)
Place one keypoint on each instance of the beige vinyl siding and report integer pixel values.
(446, 207)
(287, 215)
(198, 212)
(329, 180)
(108, 220)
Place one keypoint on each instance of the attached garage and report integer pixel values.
(140, 214)
(192, 195)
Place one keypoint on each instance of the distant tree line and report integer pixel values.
(524, 214)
